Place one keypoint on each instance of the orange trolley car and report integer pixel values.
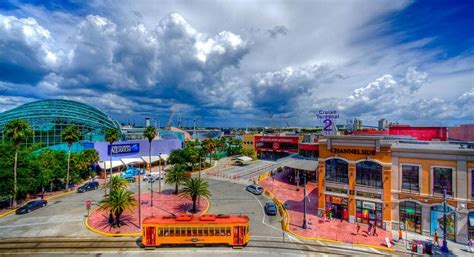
(196, 230)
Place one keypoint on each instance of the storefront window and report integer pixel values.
(436, 222)
(337, 171)
(369, 212)
(442, 178)
(471, 225)
(472, 183)
(369, 174)
(410, 216)
(410, 178)
(337, 207)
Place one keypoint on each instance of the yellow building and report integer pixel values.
(248, 141)
(394, 184)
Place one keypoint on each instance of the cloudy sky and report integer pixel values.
(243, 63)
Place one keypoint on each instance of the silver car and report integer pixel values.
(255, 189)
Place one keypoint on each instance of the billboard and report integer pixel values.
(124, 148)
(420, 133)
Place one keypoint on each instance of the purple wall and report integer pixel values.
(164, 146)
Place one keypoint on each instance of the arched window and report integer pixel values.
(369, 173)
(337, 170)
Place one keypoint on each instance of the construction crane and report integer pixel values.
(173, 111)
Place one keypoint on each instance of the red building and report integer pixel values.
(274, 147)
(464, 132)
(420, 133)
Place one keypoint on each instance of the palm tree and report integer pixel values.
(176, 175)
(118, 201)
(195, 188)
(17, 131)
(117, 183)
(111, 136)
(71, 134)
(209, 145)
(150, 133)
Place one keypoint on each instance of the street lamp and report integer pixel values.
(305, 224)
(159, 173)
(151, 181)
(444, 248)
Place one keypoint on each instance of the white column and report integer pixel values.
(425, 220)
(461, 177)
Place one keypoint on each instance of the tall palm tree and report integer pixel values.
(118, 201)
(176, 175)
(209, 145)
(150, 133)
(17, 131)
(195, 188)
(71, 134)
(111, 136)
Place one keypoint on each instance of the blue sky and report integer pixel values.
(243, 63)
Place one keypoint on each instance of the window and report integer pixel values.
(337, 171)
(194, 231)
(369, 174)
(442, 178)
(199, 231)
(166, 232)
(410, 177)
(204, 231)
(189, 231)
(183, 231)
(472, 183)
(171, 231)
(227, 231)
(222, 231)
(211, 231)
(160, 232)
(178, 231)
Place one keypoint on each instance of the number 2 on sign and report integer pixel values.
(327, 123)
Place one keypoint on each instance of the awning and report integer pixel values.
(302, 165)
(155, 158)
(244, 158)
(127, 161)
(116, 163)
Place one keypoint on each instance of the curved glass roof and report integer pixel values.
(49, 117)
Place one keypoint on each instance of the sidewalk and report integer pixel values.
(319, 228)
(455, 249)
(164, 204)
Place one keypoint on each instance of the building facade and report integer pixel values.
(397, 184)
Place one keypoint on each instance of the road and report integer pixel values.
(63, 219)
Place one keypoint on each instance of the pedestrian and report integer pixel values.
(400, 235)
(370, 229)
(471, 245)
(330, 215)
(358, 228)
(375, 231)
(435, 238)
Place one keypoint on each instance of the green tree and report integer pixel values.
(111, 136)
(195, 188)
(118, 183)
(118, 201)
(71, 134)
(17, 131)
(176, 175)
(209, 145)
(177, 156)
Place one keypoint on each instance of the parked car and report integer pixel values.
(31, 206)
(153, 176)
(255, 189)
(270, 209)
(88, 187)
(128, 176)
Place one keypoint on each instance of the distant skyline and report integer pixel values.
(243, 63)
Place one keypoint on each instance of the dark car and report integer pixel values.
(255, 189)
(31, 206)
(93, 185)
(270, 209)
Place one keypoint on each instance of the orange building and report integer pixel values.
(394, 184)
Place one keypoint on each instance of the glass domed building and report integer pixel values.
(48, 118)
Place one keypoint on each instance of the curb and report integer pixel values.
(285, 227)
(7, 213)
(86, 223)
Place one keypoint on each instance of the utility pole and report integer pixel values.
(159, 173)
(139, 203)
(151, 181)
(305, 224)
(444, 248)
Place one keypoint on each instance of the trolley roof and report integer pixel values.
(196, 219)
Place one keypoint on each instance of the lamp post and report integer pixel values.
(305, 224)
(444, 248)
(139, 203)
(151, 181)
(159, 173)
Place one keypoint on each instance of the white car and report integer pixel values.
(153, 176)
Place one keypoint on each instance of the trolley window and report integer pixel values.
(204, 231)
(199, 231)
(171, 231)
(178, 230)
(189, 231)
(160, 231)
(194, 231)
(167, 232)
(211, 231)
(183, 231)
(227, 231)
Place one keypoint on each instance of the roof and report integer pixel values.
(106, 164)
(433, 147)
(301, 164)
(244, 158)
(196, 219)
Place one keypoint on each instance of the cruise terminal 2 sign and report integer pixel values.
(328, 117)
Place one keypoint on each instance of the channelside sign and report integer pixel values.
(124, 148)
